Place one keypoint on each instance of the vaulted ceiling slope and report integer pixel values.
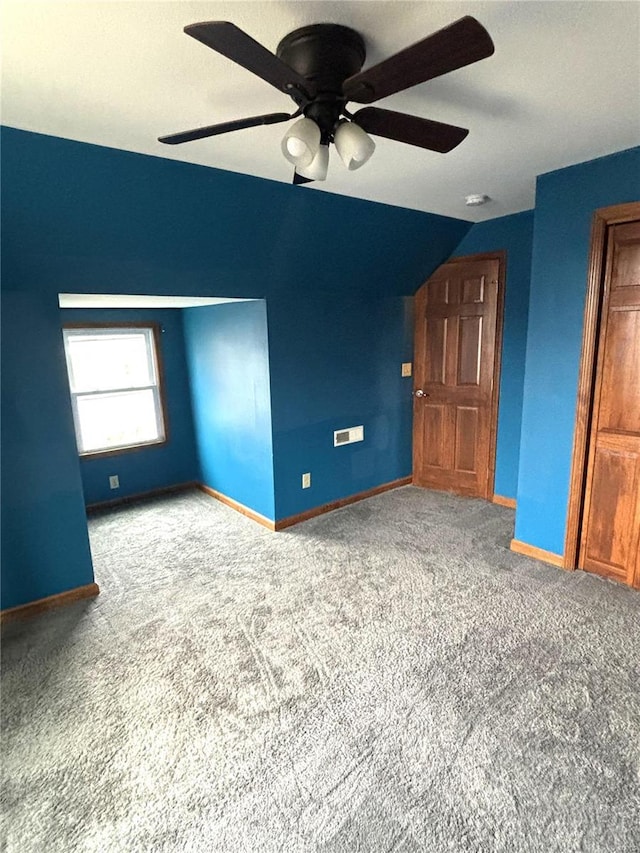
(81, 218)
(562, 87)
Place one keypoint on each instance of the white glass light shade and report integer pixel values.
(353, 145)
(317, 169)
(301, 142)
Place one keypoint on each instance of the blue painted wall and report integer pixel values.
(157, 466)
(515, 235)
(228, 359)
(565, 201)
(336, 363)
(79, 218)
(45, 548)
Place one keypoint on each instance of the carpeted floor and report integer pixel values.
(389, 677)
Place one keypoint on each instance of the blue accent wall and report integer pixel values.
(336, 363)
(515, 235)
(156, 466)
(228, 358)
(565, 202)
(80, 218)
(45, 547)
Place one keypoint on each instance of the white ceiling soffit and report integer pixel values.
(562, 87)
(105, 300)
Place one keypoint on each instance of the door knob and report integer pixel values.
(420, 393)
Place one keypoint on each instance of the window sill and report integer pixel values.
(116, 451)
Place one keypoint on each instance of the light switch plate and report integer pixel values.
(406, 368)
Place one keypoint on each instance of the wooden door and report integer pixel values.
(456, 362)
(610, 538)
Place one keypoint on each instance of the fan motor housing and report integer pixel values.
(326, 54)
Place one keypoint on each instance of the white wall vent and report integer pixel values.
(348, 436)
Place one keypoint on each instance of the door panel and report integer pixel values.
(438, 292)
(473, 290)
(455, 358)
(610, 539)
(620, 400)
(612, 522)
(435, 427)
(466, 457)
(436, 334)
(469, 350)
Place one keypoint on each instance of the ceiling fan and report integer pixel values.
(320, 68)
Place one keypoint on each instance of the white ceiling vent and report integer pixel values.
(348, 436)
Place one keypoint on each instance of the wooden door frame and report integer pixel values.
(499, 255)
(603, 219)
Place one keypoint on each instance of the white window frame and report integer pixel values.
(150, 331)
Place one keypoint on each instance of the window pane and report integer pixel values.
(117, 420)
(105, 362)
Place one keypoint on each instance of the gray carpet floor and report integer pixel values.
(388, 677)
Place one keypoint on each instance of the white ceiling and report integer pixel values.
(562, 87)
(105, 300)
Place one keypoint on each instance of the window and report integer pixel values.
(115, 387)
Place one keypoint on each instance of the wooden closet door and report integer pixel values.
(610, 540)
(455, 352)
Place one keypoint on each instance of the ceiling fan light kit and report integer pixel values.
(319, 166)
(320, 68)
(353, 145)
(301, 142)
(302, 146)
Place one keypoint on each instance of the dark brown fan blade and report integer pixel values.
(455, 46)
(300, 179)
(236, 45)
(224, 127)
(410, 129)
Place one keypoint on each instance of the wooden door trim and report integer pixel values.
(603, 218)
(500, 255)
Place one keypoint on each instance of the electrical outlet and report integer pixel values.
(306, 481)
(114, 481)
(406, 368)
